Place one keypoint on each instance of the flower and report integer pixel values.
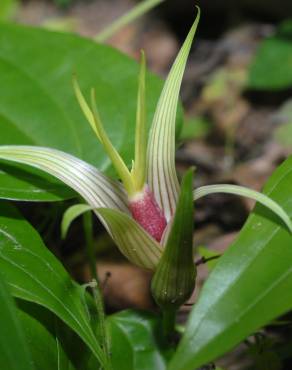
(138, 212)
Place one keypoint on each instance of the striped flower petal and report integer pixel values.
(161, 173)
(131, 239)
(97, 189)
(245, 192)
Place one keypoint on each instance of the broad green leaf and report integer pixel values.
(162, 177)
(37, 102)
(137, 342)
(14, 354)
(272, 66)
(249, 286)
(44, 335)
(26, 183)
(8, 9)
(52, 344)
(35, 275)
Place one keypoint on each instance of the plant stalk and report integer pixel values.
(96, 289)
(168, 322)
(130, 16)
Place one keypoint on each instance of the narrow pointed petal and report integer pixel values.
(244, 192)
(131, 239)
(84, 106)
(139, 166)
(111, 151)
(161, 176)
(94, 120)
(97, 189)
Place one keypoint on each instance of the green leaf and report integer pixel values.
(14, 354)
(136, 341)
(272, 66)
(8, 9)
(34, 274)
(249, 286)
(52, 344)
(22, 182)
(194, 128)
(283, 133)
(162, 177)
(38, 65)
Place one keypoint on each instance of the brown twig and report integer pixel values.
(205, 260)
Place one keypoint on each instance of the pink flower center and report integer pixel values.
(148, 214)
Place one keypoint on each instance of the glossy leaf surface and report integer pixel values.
(34, 274)
(249, 286)
(37, 103)
(12, 339)
(136, 341)
(19, 182)
(44, 335)
(52, 344)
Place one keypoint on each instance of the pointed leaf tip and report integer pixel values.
(83, 105)
(116, 159)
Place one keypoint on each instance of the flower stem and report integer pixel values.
(168, 322)
(96, 289)
(88, 233)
